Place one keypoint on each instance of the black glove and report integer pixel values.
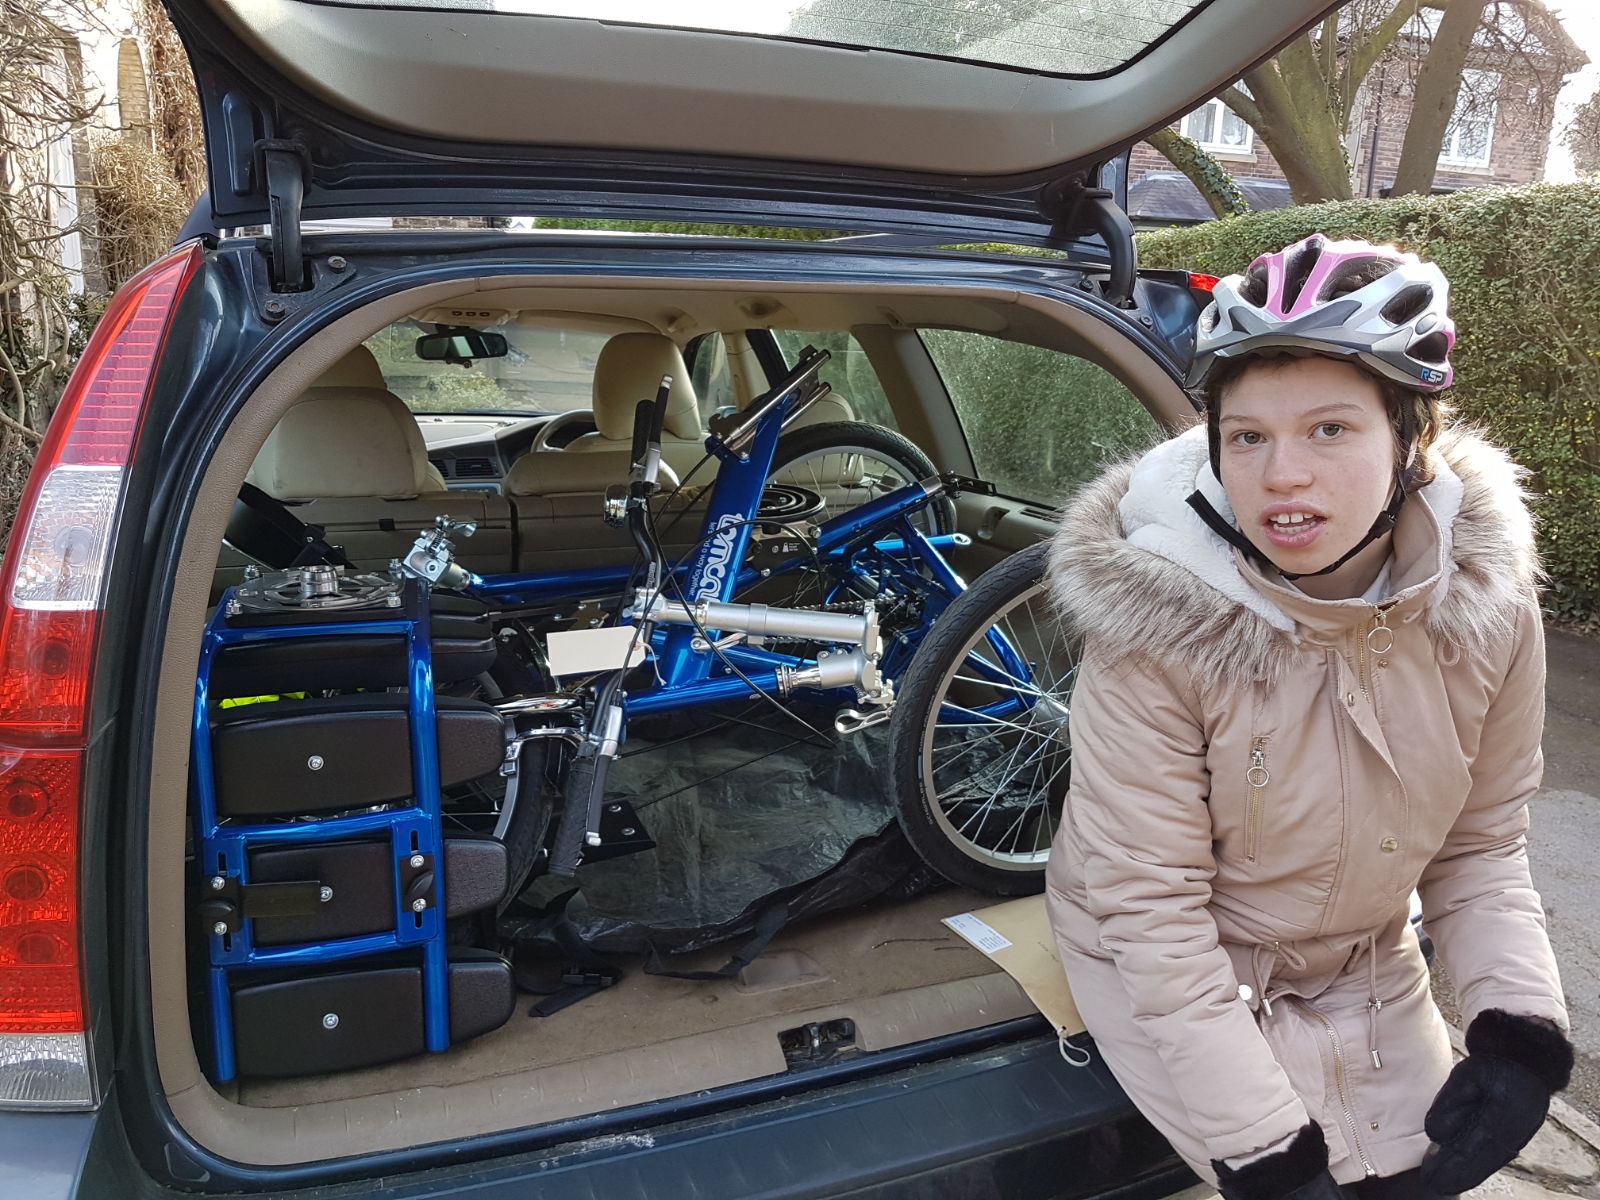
(1495, 1099)
(1297, 1172)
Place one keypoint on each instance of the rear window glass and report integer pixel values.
(1072, 37)
(848, 372)
(543, 371)
(1040, 423)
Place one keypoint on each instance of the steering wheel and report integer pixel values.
(576, 416)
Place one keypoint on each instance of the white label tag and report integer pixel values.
(585, 651)
(975, 931)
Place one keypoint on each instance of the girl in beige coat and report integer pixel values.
(1313, 682)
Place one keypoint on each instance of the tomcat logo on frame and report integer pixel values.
(718, 554)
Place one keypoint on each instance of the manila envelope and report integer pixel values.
(1016, 935)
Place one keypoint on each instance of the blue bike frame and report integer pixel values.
(877, 537)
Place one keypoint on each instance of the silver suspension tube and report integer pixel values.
(761, 620)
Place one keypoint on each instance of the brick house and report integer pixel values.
(1499, 135)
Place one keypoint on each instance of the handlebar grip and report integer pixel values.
(641, 429)
(584, 776)
(658, 420)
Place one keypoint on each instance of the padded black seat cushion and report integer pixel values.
(291, 757)
(463, 648)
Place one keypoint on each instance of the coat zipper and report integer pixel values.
(1380, 640)
(1339, 1083)
(1257, 777)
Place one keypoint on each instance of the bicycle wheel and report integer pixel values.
(519, 817)
(848, 463)
(978, 750)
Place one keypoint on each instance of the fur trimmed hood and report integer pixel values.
(1135, 569)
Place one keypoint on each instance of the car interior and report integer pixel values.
(358, 435)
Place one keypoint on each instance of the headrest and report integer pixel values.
(558, 473)
(824, 411)
(344, 443)
(357, 369)
(629, 370)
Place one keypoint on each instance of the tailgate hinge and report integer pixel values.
(1074, 206)
(284, 167)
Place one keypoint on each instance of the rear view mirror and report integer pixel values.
(460, 345)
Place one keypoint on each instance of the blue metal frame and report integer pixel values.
(415, 829)
(874, 539)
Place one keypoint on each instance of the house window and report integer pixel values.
(1218, 128)
(1470, 134)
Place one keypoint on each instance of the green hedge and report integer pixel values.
(1524, 270)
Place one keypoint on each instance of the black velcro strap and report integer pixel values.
(585, 973)
(766, 928)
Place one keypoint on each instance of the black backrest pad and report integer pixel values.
(290, 757)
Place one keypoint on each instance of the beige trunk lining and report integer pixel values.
(838, 966)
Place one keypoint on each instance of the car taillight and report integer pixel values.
(1202, 283)
(52, 592)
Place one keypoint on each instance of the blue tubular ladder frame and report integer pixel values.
(415, 829)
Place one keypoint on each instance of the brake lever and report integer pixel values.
(649, 419)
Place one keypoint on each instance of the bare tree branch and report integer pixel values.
(1437, 89)
(1234, 98)
(1364, 54)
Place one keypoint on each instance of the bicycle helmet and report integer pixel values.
(1383, 307)
(1378, 306)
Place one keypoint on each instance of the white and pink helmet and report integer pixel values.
(1378, 305)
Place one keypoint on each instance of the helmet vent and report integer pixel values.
(1433, 349)
(1299, 270)
(1254, 289)
(1355, 274)
(1408, 304)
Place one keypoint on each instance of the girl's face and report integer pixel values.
(1308, 463)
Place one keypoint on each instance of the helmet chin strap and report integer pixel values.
(1228, 533)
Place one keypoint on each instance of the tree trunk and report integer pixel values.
(1438, 87)
(1289, 109)
(1216, 186)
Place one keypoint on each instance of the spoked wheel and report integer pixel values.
(979, 750)
(517, 812)
(849, 463)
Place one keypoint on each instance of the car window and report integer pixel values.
(1039, 422)
(544, 370)
(848, 372)
(708, 371)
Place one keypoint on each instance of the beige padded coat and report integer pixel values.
(1259, 782)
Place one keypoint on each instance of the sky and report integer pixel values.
(1581, 20)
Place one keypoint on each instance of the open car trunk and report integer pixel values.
(850, 984)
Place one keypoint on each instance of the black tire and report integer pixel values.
(817, 442)
(1011, 774)
(482, 807)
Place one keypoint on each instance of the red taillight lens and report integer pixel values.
(60, 546)
(1202, 283)
(52, 592)
(40, 990)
